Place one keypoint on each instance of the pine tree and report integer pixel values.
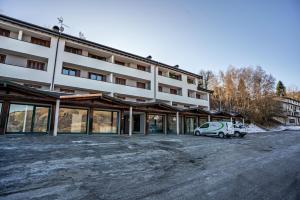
(280, 89)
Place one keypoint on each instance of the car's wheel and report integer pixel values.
(197, 133)
(237, 134)
(221, 135)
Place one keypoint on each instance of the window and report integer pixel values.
(205, 125)
(97, 77)
(141, 85)
(175, 76)
(173, 91)
(140, 100)
(190, 81)
(105, 121)
(120, 97)
(70, 72)
(96, 57)
(198, 96)
(291, 121)
(186, 106)
(190, 94)
(4, 32)
(39, 41)
(72, 120)
(120, 81)
(32, 64)
(28, 118)
(160, 73)
(174, 104)
(73, 50)
(68, 91)
(2, 58)
(156, 123)
(159, 88)
(141, 67)
(119, 63)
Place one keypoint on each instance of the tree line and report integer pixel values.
(248, 90)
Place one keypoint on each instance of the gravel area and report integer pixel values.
(259, 166)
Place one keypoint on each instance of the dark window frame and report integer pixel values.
(103, 77)
(141, 85)
(120, 81)
(2, 58)
(73, 50)
(77, 71)
(4, 32)
(40, 41)
(37, 65)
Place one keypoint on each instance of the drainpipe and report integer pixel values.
(177, 123)
(55, 61)
(130, 121)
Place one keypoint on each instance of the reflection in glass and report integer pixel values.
(156, 124)
(72, 120)
(41, 119)
(105, 122)
(27, 118)
(20, 118)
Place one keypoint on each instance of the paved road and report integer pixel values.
(260, 166)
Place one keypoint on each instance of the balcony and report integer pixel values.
(21, 72)
(85, 83)
(24, 47)
(105, 66)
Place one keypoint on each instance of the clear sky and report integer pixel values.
(200, 34)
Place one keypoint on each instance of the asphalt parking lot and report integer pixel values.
(259, 166)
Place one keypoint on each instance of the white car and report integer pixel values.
(221, 129)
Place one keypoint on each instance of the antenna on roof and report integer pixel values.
(62, 25)
(149, 57)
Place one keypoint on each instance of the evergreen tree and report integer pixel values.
(280, 89)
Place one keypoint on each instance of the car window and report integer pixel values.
(205, 125)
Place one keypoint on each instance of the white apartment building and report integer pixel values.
(45, 59)
(291, 111)
(52, 82)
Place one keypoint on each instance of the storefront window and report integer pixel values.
(190, 125)
(156, 123)
(72, 120)
(105, 122)
(202, 121)
(27, 118)
(172, 125)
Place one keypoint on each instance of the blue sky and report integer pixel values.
(210, 34)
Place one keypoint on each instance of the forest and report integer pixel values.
(250, 91)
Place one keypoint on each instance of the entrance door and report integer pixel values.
(136, 128)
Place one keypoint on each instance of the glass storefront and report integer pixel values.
(172, 125)
(202, 121)
(105, 122)
(28, 118)
(190, 125)
(72, 120)
(156, 123)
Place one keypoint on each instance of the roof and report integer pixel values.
(156, 103)
(198, 110)
(90, 43)
(19, 87)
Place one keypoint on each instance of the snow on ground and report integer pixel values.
(252, 128)
(286, 128)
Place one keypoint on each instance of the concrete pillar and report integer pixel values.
(56, 117)
(243, 121)
(177, 123)
(231, 119)
(20, 35)
(111, 59)
(208, 118)
(25, 119)
(111, 78)
(130, 121)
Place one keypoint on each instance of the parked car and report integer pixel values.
(220, 129)
(239, 130)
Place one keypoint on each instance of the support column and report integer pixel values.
(177, 123)
(130, 121)
(208, 118)
(56, 117)
(20, 35)
(147, 124)
(111, 78)
(122, 122)
(231, 119)
(90, 122)
(4, 116)
(243, 121)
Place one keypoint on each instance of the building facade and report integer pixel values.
(291, 111)
(56, 83)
